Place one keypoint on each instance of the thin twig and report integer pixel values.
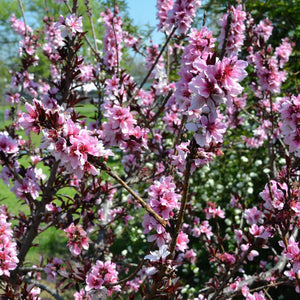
(160, 110)
(90, 14)
(262, 277)
(23, 15)
(44, 287)
(204, 18)
(111, 173)
(186, 185)
(75, 7)
(251, 116)
(130, 277)
(183, 120)
(116, 42)
(229, 20)
(229, 275)
(25, 270)
(99, 58)
(153, 66)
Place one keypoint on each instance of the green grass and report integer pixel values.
(50, 243)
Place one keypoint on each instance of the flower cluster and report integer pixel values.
(53, 41)
(29, 185)
(290, 115)
(64, 139)
(200, 44)
(102, 274)
(292, 253)
(163, 200)
(51, 269)
(19, 26)
(161, 82)
(77, 239)
(266, 63)
(120, 124)
(182, 14)
(163, 6)
(8, 144)
(274, 195)
(283, 52)
(236, 35)
(69, 26)
(8, 251)
(215, 84)
(113, 38)
(178, 160)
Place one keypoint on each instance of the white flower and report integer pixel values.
(156, 255)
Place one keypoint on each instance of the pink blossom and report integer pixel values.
(77, 239)
(236, 35)
(226, 258)
(253, 216)
(119, 126)
(212, 211)
(28, 185)
(163, 7)
(259, 231)
(277, 197)
(51, 269)
(19, 26)
(292, 252)
(101, 274)
(209, 129)
(163, 200)
(12, 98)
(113, 38)
(70, 25)
(53, 208)
(255, 296)
(182, 241)
(264, 29)
(191, 256)
(29, 45)
(200, 45)
(238, 234)
(8, 248)
(206, 229)
(182, 14)
(7, 144)
(283, 52)
(290, 115)
(82, 295)
(252, 254)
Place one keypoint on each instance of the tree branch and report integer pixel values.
(160, 110)
(52, 292)
(89, 13)
(102, 166)
(229, 20)
(23, 15)
(186, 185)
(153, 66)
(32, 230)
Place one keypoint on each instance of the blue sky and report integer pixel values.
(144, 12)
